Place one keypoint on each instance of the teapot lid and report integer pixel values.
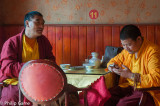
(94, 53)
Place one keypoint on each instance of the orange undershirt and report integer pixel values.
(30, 49)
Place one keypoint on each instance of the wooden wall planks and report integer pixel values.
(74, 43)
(59, 45)
(82, 44)
(99, 40)
(66, 45)
(107, 37)
(157, 35)
(90, 39)
(1, 37)
(151, 33)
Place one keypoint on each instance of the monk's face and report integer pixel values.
(132, 46)
(35, 26)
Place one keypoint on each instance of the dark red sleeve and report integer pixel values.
(49, 51)
(45, 49)
(10, 63)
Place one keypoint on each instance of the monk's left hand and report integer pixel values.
(123, 72)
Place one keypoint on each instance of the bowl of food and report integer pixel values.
(65, 66)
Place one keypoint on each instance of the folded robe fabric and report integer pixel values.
(97, 94)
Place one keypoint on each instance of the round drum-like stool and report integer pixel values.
(42, 81)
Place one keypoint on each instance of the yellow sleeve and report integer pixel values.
(118, 59)
(152, 78)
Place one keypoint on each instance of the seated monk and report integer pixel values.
(28, 45)
(138, 66)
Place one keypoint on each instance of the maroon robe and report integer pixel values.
(127, 97)
(11, 60)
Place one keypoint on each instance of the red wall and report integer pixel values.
(73, 43)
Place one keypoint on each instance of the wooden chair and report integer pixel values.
(110, 52)
(145, 94)
(42, 82)
(2, 84)
(1, 87)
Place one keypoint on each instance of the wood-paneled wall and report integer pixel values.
(1, 39)
(73, 43)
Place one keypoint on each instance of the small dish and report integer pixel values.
(65, 66)
(67, 70)
(77, 67)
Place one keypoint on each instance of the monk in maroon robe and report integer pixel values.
(11, 55)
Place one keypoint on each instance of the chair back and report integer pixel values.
(110, 52)
(42, 81)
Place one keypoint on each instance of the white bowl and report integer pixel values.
(65, 66)
(89, 67)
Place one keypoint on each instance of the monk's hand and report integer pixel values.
(112, 66)
(123, 72)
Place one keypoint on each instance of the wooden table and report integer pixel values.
(82, 77)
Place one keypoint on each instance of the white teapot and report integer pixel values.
(95, 60)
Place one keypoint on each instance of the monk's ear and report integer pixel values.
(139, 38)
(27, 23)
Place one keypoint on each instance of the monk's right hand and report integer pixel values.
(113, 66)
